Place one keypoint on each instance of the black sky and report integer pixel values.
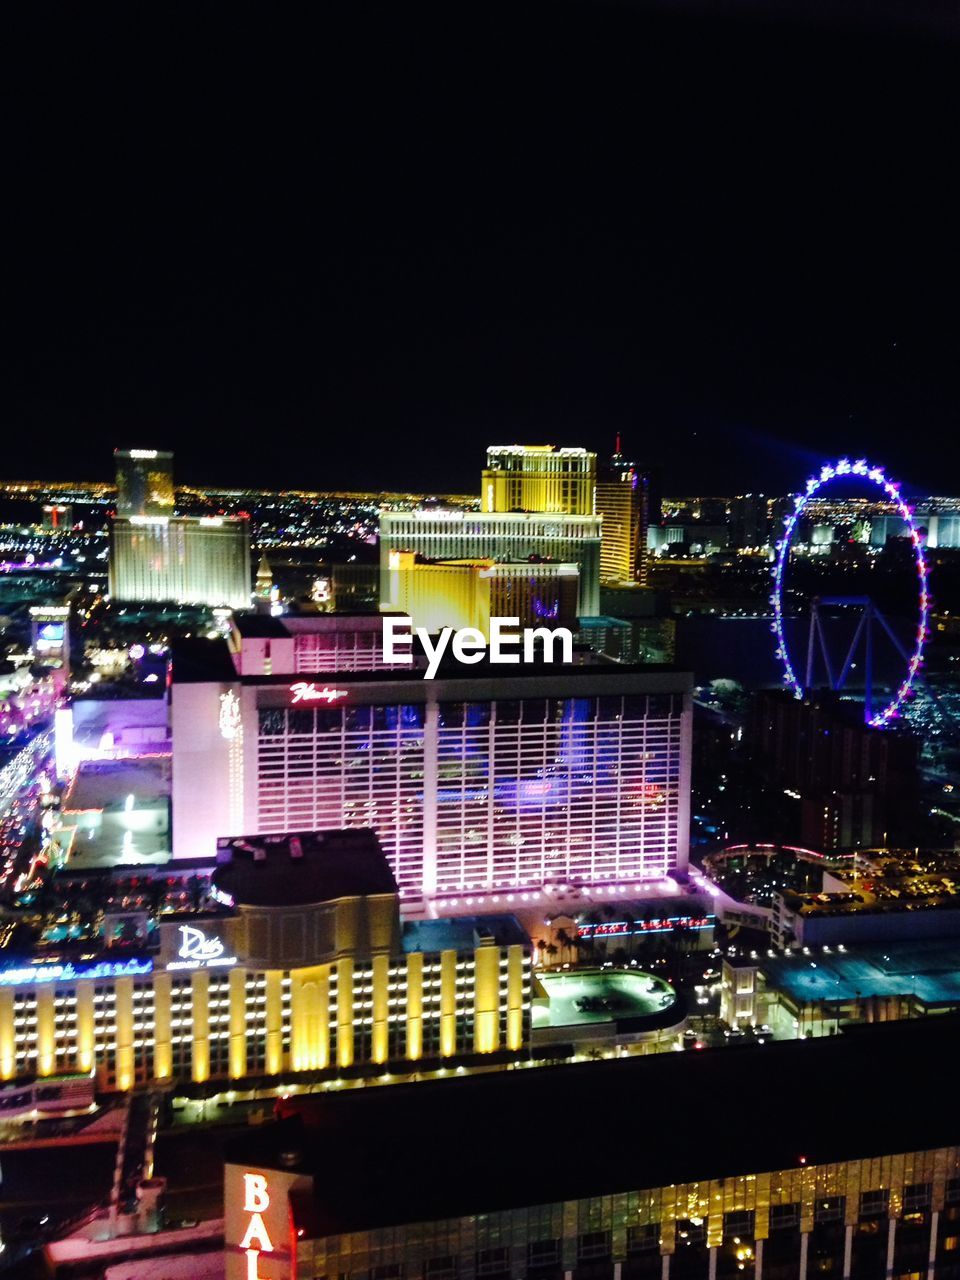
(350, 245)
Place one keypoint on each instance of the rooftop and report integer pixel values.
(197, 661)
(206, 661)
(650, 1124)
(579, 998)
(462, 933)
(301, 867)
(929, 970)
(108, 784)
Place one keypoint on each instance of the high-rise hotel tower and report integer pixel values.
(623, 501)
(157, 556)
(539, 477)
(537, 505)
(480, 780)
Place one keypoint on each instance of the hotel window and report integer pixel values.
(105, 1030)
(285, 1014)
(493, 1262)
(738, 1223)
(391, 1271)
(593, 1246)
(444, 1268)
(917, 1197)
(785, 1217)
(952, 1191)
(25, 1033)
(643, 1239)
(691, 1232)
(181, 1027)
(65, 1028)
(543, 1253)
(255, 1013)
(219, 1015)
(874, 1204)
(143, 1030)
(829, 1210)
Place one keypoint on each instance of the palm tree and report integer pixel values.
(552, 950)
(563, 941)
(630, 940)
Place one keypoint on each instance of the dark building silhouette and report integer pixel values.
(857, 786)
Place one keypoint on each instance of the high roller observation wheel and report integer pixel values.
(892, 491)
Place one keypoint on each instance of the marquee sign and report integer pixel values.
(304, 691)
(31, 974)
(613, 928)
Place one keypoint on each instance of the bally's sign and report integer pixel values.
(197, 951)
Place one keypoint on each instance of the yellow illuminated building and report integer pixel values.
(468, 593)
(620, 502)
(311, 970)
(539, 477)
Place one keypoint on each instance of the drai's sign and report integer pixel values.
(197, 951)
(506, 643)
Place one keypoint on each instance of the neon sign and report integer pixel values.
(614, 928)
(197, 951)
(308, 692)
(230, 722)
(256, 1238)
(69, 972)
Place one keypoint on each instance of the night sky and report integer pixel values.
(353, 250)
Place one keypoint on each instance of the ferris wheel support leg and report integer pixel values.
(868, 691)
(890, 632)
(825, 651)
(851, 652)
(811, 652)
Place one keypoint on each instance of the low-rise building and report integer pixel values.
(304, 968)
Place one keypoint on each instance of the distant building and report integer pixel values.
(454, 534)
(263, 589)
(144, 482)
(57, 515)
(635, 639)
(527, 477)
(797, 997)
(197, 560)
(857, 786)
(468, 593)
(354, 588)
(880, 897)
(50, 638)
(623, 500)
(156, 556)
(750, 520)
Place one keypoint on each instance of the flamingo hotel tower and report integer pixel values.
(485, 779)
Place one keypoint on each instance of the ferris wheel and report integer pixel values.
(912, 655)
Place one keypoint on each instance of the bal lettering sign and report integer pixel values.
(260, 1239)
(256, 1238)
